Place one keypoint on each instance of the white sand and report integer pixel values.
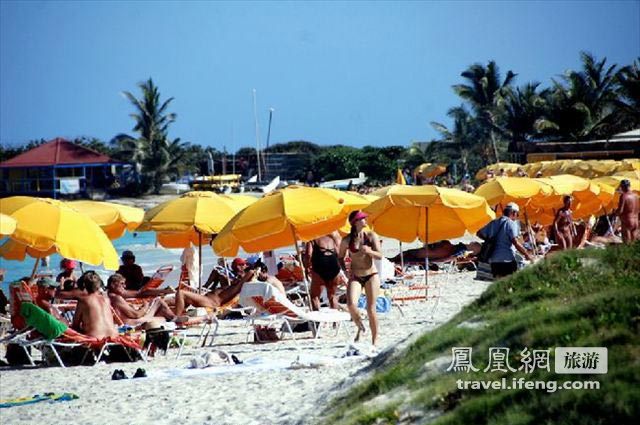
(239, 396)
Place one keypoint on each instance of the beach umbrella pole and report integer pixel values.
(426, 257)
(532, 236)
(401, 258)
(35, 267)
(304, 273)
(199, 261)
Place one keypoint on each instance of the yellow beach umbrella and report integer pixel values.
(430, 170)
(533, 168)
(587, 198)
(283, 217)
(509, 168)
(502, 190)
(192, 218)
(7, 225)
(185, 238)
(429, 213)
(46, 224)
(614, 181)
(383, 190)
(629, 174)
(203, 212)
(112, 218)
(13, 250)
(629, 164)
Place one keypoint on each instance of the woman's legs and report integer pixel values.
(354, 289)
(371, 289)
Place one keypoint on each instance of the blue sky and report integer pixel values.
(354, 73)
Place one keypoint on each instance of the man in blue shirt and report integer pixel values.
(506, 229)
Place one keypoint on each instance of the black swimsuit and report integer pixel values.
(325, 262)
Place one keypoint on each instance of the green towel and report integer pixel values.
(37, 398)
(43, 322)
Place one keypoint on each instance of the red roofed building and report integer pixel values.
(57, 168)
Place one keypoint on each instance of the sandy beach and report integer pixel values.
(265, 389)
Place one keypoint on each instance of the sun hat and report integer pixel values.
(358, 216)
(48, 282)
(513, 207)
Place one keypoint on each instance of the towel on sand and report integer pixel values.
(37, 398)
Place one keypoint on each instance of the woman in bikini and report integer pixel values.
(363, 247)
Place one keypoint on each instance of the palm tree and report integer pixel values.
(483, 91)
(461, 140)
(584, 106)
(152, 151)
(518, 111)
(629, 96)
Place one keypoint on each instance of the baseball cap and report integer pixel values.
(127, 254)
(48, 282)
(68, 264)
(513, 207)
(358, 216)
(238, 262)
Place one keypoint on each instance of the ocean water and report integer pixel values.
(149, 256)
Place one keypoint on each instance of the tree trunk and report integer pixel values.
(494, 145)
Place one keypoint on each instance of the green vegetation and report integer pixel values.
(587, 298)
(595, 102)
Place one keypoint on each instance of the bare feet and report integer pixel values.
(361, 330)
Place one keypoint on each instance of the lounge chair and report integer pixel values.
(158, 278)
(44, 330)
(275, 308)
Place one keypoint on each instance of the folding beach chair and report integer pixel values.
(158, 277)
(273, 307)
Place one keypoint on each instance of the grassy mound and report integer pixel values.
(588, 298)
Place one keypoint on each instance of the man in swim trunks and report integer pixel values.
(321, 262)
(628, 210)
(363, 247)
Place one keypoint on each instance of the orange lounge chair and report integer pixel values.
(158, 278)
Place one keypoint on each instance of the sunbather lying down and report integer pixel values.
(438, 251)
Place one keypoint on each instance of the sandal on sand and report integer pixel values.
(140, 373)
(118, 374)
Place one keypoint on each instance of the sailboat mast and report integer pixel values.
(255, 117)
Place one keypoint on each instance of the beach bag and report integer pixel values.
(383, 304)
(489, 245)
(483, 272)
(265, 334)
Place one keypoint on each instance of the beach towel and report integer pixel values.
(36, 399)
(43, 322)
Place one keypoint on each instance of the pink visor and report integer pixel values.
(359, 215)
